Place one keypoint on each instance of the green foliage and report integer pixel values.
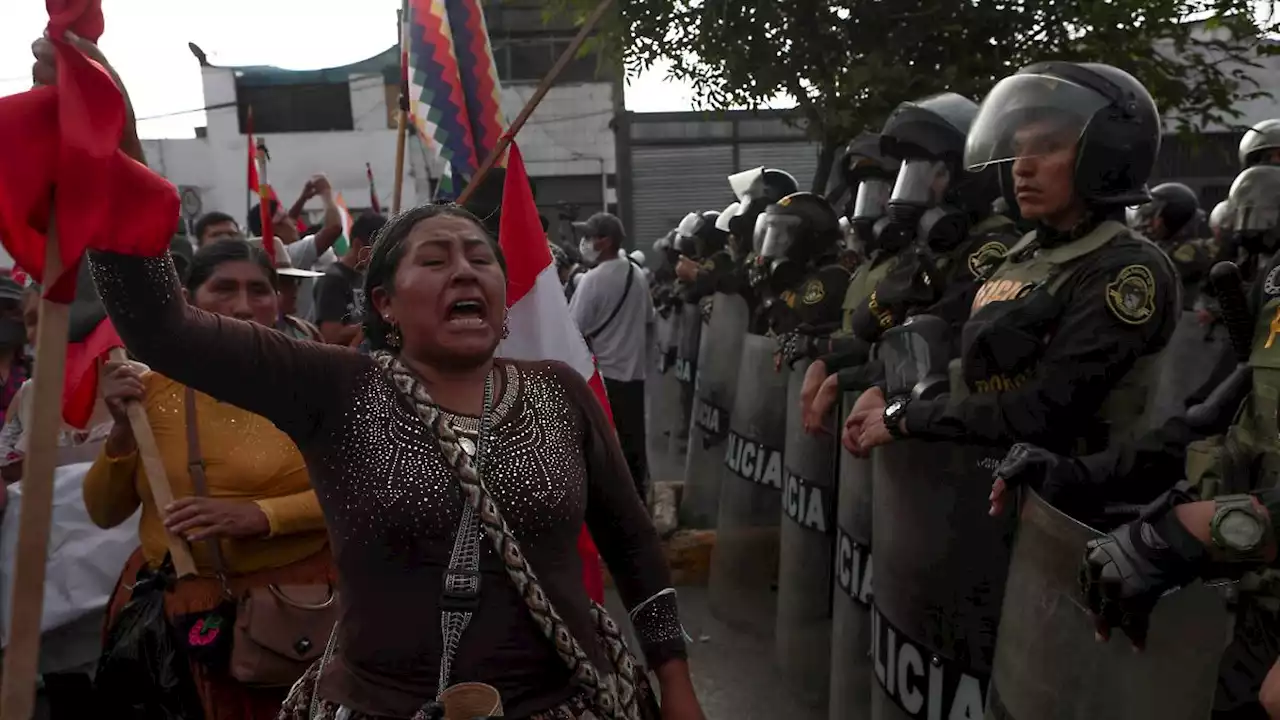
(848, 63)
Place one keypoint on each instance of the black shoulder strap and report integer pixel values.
(631, 271)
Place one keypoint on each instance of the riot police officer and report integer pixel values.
(1261, 145)
(870, 174)
(704, 256)
(946, 219)
(1065, 333)
(796, 269)
(1226, 446)
(1170, 221)
(945, 213)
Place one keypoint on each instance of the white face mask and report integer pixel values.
(589, 252)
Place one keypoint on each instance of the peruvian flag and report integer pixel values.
(539, 320)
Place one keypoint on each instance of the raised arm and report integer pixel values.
(289, 382)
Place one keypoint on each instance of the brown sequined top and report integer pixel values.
(392, 507)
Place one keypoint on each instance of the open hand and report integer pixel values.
(818, 409)
(201, 518)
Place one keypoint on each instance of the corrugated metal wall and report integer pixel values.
(669, 182)
(798, 158)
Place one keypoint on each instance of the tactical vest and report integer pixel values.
(861, 285)
(1247, 457)
(1051, 268)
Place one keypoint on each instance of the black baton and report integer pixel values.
(1225, 277)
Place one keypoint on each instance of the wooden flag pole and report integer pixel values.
(402, 118)
(157, 479)
(22, 656)
(565, 58)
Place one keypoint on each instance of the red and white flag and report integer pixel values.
(538, 315)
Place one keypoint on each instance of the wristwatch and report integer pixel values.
(1239, 529)
(893, 414)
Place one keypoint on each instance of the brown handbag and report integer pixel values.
(280, 630)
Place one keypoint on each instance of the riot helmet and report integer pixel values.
(1175, 205)
(756, 189)
(869, 175)
(684, 241)
(1046, 108)
(701, 228)
(666, 248)
(790, 235)
(1221, 219)
(1255, 198)
(1261, 145)
(933, 199)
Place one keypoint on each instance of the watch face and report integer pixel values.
(895, 408)
(1240, 530)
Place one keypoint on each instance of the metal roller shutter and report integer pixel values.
(671, 182)
(798, 158)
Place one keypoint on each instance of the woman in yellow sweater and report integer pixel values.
(257, 509)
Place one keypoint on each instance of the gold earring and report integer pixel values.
(393, 335)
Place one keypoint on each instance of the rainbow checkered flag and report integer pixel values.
(454, 93)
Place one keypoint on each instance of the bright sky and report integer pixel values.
(146, 41)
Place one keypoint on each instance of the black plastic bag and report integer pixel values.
(143, 672)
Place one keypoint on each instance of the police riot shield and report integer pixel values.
(1186, 364)
(940, 567)
(716, 382)
(1048, 666)
(663, 390)
(688, 332)
(806, 547)
(850, 696)
(744, 565)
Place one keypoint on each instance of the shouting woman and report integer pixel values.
(453, 484)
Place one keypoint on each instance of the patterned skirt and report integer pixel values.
(298, 705)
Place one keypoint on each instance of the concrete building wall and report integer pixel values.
(569, 136)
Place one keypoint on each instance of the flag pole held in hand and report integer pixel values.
(157, 479)
(22, 656)
(545, 86)
(402, 117)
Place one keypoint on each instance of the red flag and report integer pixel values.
(64, 142)
(90, 337)
(373, 190)
(539, 321)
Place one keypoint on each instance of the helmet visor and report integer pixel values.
(689, 226)
(872, 199)
(922, 183)
(1255, 195)
(1220, 218)
(748, 184)
(775, 235)
(1026, 116)
(722, 222)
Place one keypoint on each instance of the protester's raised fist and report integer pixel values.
(320, 184)
(45, 69)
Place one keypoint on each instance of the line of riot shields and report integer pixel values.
(964, 615)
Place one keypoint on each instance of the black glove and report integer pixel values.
(793, 347)
(1050, 474)
(1126, 572)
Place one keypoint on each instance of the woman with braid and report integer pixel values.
(453, 483)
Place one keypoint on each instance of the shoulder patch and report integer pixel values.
(983, 260)
(709, 265)
(1131, 296)
(814, 292)
(1271, 285)
(1185, 253)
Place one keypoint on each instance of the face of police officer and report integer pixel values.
(1044, 175)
